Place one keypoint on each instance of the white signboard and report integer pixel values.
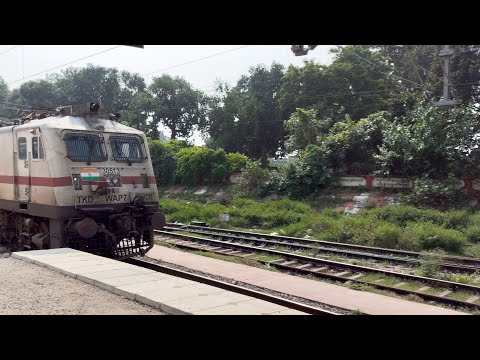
(392, 183)
(352, 181)
(224, 217)
(460, 184)
(476, 184)
(235, 178)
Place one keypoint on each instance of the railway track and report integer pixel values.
(313, 310)
(439, 291)
(449, 263)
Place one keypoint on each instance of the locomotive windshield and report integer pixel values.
(126, 148)
(85, 147)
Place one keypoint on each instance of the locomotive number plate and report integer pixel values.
(110, 171)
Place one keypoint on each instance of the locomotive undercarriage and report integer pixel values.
(117, 235)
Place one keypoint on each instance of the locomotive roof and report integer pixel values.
(73, 123)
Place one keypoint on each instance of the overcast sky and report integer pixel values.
(19, 62)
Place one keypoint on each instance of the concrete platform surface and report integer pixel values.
(335, 295)
(170, 294)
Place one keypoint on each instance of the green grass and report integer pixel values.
(434, 291)
(460, 295)
(399, 227)
(182, 232)
(234, 259)
(264, 257)
(165, 244)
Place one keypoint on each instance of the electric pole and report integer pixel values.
(446, 53)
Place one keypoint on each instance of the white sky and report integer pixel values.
(18, 64)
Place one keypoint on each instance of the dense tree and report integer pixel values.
(112, 88)
(248, 118)
(36, 93)
(306, 87)
(4, 92)
(432, 141)
(138, 114)
(357, 83)
(177, 105)
(303, 128)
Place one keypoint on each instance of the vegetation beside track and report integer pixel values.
(401, 227)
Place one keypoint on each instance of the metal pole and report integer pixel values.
(446, 53)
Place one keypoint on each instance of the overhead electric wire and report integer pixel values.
(59, 66)
(6, 51)
(371, 63)
(192, 61)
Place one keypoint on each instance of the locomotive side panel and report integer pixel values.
(39, 148)
(6, 167)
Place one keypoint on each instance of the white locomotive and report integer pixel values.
(77, 179)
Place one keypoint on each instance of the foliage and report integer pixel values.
(237, 161)
(430, 263)
(306, 174)
(368, 111)
(473, 251)
(176, 105)
(473, 234)
(432, 141)
(4, 94)
(246, 118)
(164, 161)
(113, 89)
(429, 236)
(254, 180)
(435, 193)
(177, 161)
(353, 145)
(197, 163)
(303, 128)
(400, 227)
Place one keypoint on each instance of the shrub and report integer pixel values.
(473, 251)
(428, 236)
(401, 215)
(164, 161)
(387, 235)
(237, 161)
(306, 174)
(473, 233)
(253, 178)
(198, 163)
(352, 230)
(435, 193)
(456, 219)
(430, 266)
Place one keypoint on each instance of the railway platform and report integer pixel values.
(330, 294)
(170, 294)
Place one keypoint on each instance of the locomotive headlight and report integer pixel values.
(116, 180)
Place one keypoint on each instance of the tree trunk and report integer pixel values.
(264, 159)
(174, 134)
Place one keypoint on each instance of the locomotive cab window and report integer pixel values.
(22, 148)
(86, 147)
(127, 148)
(37, 148)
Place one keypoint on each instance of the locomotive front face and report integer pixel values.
(107, 169)
(113, 192)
